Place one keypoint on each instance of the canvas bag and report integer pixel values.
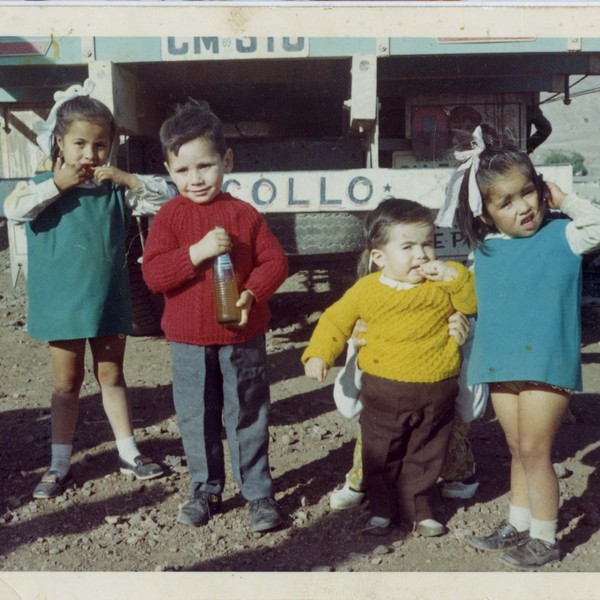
(346, 388)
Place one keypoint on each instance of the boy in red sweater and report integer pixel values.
(219, 371)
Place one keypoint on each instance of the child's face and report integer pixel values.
(198, 170)
(85, 144)
(513, 204)
(409, 246)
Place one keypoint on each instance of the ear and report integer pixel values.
(168, 168)
(228, 160)
(378, 257)
(487, 220)
(60, 141)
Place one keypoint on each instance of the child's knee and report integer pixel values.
(68, 384)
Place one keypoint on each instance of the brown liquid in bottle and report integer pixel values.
(225, 290)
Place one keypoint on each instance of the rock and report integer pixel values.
(380, 550)
(322, 569)
(560, 470)
(112, 519)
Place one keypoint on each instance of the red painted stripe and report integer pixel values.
(24, 48)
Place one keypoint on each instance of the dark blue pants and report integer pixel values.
(216, 385)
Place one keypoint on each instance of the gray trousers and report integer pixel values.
(216, 385)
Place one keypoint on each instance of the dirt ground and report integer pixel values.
(108, 522)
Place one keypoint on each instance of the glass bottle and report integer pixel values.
(225, 290)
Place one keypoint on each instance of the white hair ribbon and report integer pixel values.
(467, 158)
(44, 138)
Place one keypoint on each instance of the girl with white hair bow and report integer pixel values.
(76, 219)
(527, 340)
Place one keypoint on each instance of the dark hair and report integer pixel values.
(497, 159)
(80, 108)
(390, 212)
(192, 120)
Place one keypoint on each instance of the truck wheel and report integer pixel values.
(318, 233)
(147, 308)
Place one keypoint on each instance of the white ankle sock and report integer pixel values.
(543, 530)
(128, 449)
(61, 458)
(519, 517)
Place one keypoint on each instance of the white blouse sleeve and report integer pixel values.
(583, 232)
(29, 199)
(148, 197)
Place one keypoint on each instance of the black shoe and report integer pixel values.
(52, 485)
(265, 514)
(505, 536)
(531, 555)
(199, 509)
(143, 468)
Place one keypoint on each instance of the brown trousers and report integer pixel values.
(405, 430)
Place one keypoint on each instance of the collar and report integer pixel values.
(397, 285)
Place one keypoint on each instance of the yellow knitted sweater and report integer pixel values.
(407, 330)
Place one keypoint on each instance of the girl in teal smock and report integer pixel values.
(526, 347)
(77, 217)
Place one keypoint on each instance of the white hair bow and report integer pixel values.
(44, 138)
(467, 158)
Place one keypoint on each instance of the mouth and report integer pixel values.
(529, 222)
(198, 191)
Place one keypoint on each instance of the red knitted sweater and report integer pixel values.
(258, 259)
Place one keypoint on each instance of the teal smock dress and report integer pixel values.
(77, 281)
(529, 298)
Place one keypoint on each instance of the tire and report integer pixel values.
(318, 233)
(147, 308)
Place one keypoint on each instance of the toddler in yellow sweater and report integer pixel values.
(410, 364)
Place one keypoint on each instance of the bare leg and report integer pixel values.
(530, 421)
(108, 353)
(68, 368)
(506, 407)
(540, 413)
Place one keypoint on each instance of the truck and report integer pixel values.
(322, 128)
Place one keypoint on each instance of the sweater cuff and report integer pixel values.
(458, 282)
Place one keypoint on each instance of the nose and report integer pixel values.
(420, 252)
(89, 153)
(522, 206)
(197, 176)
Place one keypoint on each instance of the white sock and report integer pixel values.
(543, 530)
(128, 449)
(61, 458)
(519, 517)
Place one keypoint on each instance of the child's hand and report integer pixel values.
(245, 302)
(315, 368)
(458, 327)
(557, 196)
(357, 337)
(117, 176)
(436, 270)
(68, 176)
(215, 242)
